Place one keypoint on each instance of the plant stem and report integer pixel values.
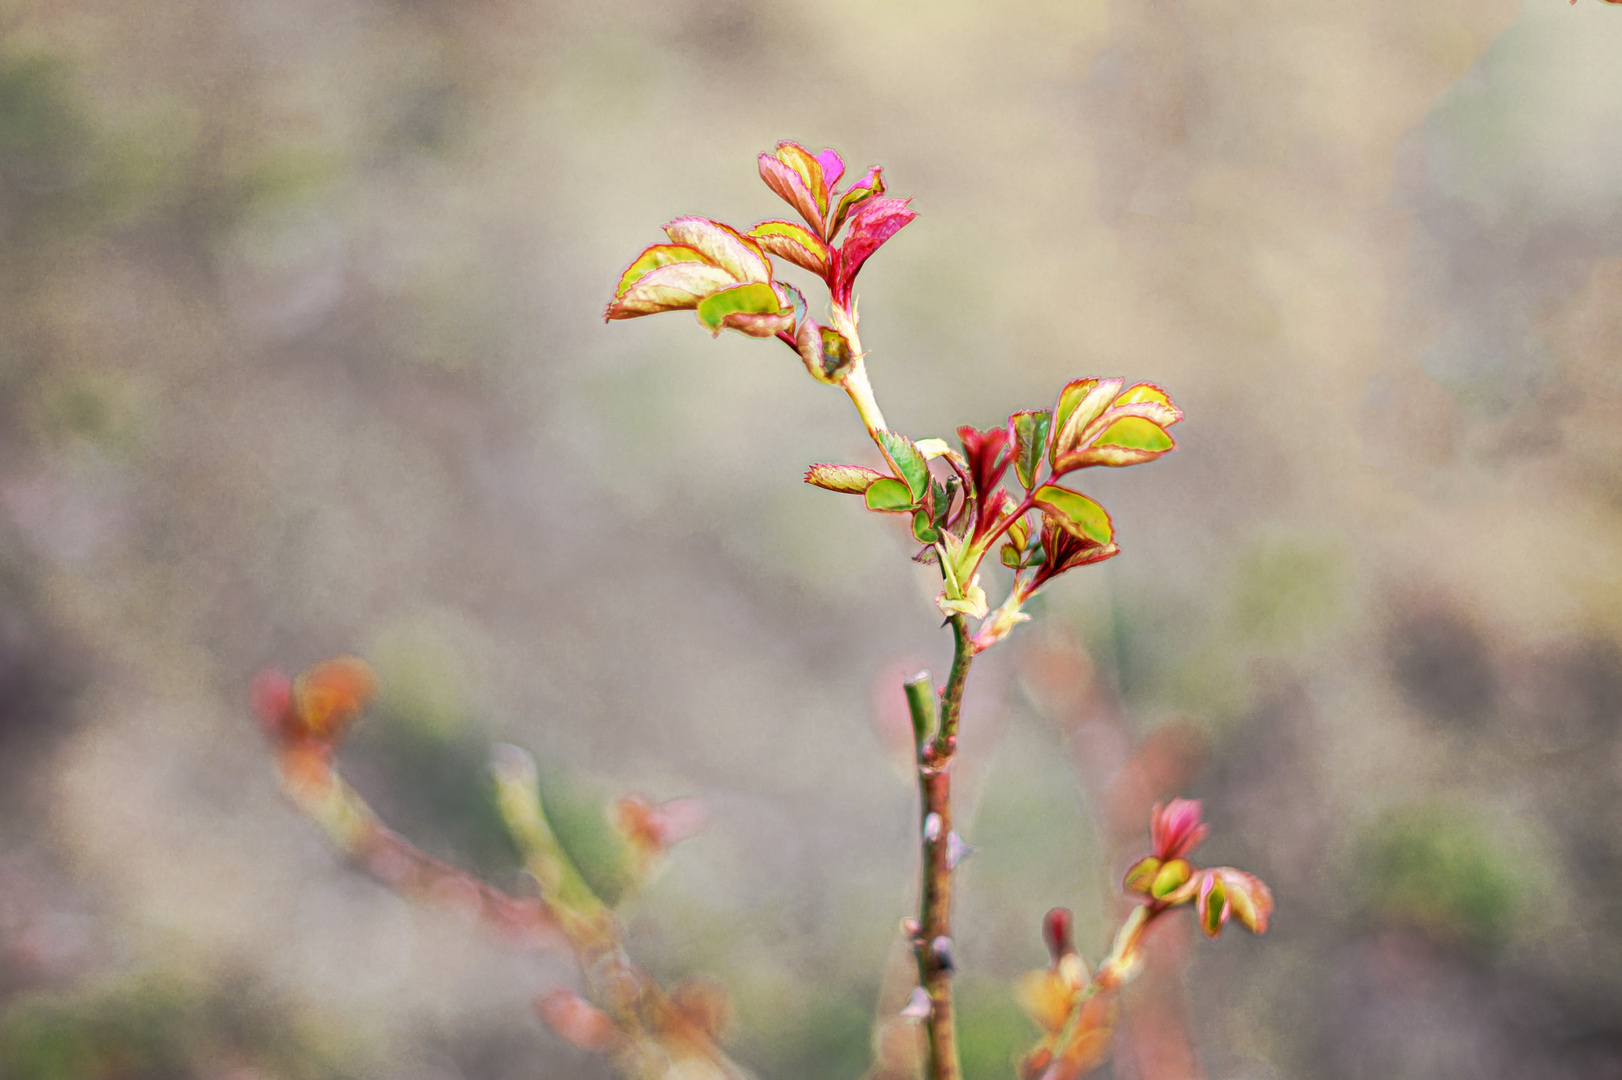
(932, 945)
(861, 395)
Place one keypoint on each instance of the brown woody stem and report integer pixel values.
(932, 945)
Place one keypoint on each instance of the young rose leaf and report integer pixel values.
(1141, 875)
(752, 307)
(1061, 550)
(1131, 440)
(1080, 403)
(832, 166)
(671, 287)
(1150, 402)
(870, 185)
(873, 222)
(923, 528)
(1225, 891)
(890, 496)
(909, 463)
(722, 245)
(789, 172)
(795, 243)
(826, 352)
(1075, 513)
(1030, 440)
(850, 479)
(651, 259)
(988, 454)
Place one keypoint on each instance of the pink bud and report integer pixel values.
(1176, 828)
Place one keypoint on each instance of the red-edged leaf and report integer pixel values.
(1148, 401)
(793, 187)
(651, 259)
(850, 479)
(870, 185)
(1129, 440)
(722, 245)
(989, 454)
(795, 243)
(871, 224)
(1080, 403)
(1063, 550)
(669, 288)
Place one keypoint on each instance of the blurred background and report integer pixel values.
(301, 352)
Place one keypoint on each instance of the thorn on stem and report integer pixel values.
(918, 1006)
(941, 951)
(932, 828)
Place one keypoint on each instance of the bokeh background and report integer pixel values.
(301, 353)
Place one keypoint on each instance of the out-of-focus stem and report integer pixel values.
(932, 946)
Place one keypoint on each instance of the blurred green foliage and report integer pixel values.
(163, 1026)
(1445, 871)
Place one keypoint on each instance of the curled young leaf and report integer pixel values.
(1224, 892)
(868, 186)
(826, 352)
(850, 479)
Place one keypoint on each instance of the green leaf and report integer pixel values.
(890, 495)
(923, 530)
(849, 479)
(750, 298)
(909, 463)
(1030, 440)
(1075, 513)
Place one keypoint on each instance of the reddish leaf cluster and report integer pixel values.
(724, 275)
(1166, 877)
